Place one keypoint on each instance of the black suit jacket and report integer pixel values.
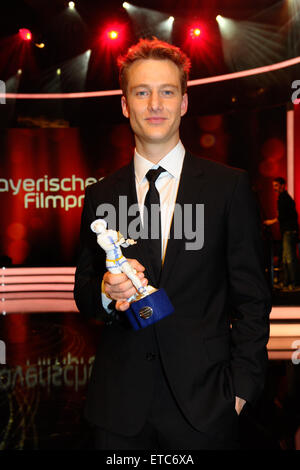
(213, 347)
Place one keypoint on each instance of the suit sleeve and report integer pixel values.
(90, 266)
(249, 293)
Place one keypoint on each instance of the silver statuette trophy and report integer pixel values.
(148, 304)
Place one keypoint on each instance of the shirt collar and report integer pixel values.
(172, 163)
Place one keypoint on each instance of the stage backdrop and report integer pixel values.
(44, 172)
(43, 176)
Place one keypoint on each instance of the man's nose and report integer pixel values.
(155, 101)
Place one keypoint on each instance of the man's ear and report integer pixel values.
(124, 106)
(184, 104)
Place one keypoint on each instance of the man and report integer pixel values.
(288, 222)
(180, 383)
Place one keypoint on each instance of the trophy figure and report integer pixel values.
(148, 304)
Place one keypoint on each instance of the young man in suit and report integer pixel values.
(181, 382)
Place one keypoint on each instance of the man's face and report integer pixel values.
(278, 188)
(154, 102)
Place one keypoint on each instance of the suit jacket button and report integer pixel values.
(150, 356)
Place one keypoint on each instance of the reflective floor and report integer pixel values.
(44, 381)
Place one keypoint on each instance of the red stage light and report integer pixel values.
(197, 41)
(195, 33)
(113, 35)
(25, 34)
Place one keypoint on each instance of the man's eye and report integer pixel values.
(168, 92)
(141, 93)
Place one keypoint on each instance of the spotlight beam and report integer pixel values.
(165, 27)
(263, 43)
(147, 21)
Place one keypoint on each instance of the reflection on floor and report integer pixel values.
(47, 351)
(44, 381)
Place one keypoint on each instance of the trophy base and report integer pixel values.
(149, 309)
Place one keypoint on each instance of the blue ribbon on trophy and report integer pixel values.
(148, 305)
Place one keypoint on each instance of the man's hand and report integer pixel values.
(239, 403)
(118, 287)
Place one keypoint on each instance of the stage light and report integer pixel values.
(113, 35)
(19, 72)
(126, 5)
(25, 34)
(195, 33)
(165, 28)
(224, 23)
(198, 40)
(74, 74)
(71, 5)
(228, 27)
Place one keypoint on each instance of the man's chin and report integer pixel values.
(158, 137)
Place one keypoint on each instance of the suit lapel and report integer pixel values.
(188, 191)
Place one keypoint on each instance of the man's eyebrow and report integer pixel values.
(170, 85)
(141, 85)
(145, 85)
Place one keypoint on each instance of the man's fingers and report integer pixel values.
(117, 279)
(136, 265)
(123, 291)
(122, 305)
(114, 279)
(119, 287)
(121, 295)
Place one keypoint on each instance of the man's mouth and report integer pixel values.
(155, 120)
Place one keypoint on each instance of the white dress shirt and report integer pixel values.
(167, 185)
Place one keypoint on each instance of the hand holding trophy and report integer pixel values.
(147, 305)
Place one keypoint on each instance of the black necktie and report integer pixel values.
(154, 221)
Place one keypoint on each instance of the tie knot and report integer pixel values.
(152, 175)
